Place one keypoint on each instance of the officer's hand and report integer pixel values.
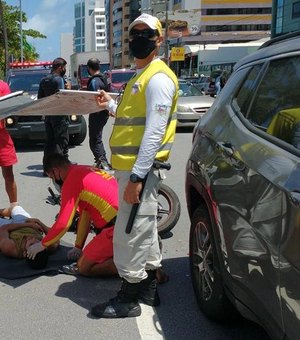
(132, 192)
(74, 254)
(35, 249)
(102, 99)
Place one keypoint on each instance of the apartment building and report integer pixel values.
(90, 26)
(121, 14)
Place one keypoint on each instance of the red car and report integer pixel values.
(118, 77)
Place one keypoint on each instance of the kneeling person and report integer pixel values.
(92, 193)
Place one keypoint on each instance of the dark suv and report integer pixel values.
(32, 128)
(243, 193)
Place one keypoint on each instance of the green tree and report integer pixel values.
(10, 37)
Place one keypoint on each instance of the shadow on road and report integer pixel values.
(179, 307)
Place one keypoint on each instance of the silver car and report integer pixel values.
(191, 105)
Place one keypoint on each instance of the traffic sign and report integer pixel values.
(177, 54)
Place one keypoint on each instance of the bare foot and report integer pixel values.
(161, 276)
(5, 212)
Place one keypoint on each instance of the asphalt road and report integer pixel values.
(58, 307)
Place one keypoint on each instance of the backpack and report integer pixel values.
(102, 78)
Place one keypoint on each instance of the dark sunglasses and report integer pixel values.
(145, 33)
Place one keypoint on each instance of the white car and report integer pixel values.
(192, 104)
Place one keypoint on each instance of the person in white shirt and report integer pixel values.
(143, 132)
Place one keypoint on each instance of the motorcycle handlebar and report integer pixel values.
(161, 165)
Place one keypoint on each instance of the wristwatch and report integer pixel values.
(135, 178)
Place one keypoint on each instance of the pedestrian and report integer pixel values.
(97, 120)
(8, 156)
(57, 135)
(144, 131)
(93, 194)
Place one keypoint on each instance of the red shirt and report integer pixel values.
(94, 194)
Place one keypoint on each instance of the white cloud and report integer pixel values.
(52, 4)
(51, 18)
(43, 24)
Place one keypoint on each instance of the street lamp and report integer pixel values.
(21, 32)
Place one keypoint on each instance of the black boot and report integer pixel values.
(148, 290)
(124, 305)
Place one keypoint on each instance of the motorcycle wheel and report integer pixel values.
(168, 211)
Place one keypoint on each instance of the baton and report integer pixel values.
(156, 165)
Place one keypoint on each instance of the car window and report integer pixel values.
(121, 77)
(276, 106)
(246, 92)
(188, 89)
(272, 102)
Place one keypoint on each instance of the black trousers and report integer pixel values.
(97, 121)
(57, 135)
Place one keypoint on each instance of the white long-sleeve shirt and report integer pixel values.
(159, 98)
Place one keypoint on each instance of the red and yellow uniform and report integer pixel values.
(94, 194)
(8, 155)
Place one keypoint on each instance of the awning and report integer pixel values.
(193, 49)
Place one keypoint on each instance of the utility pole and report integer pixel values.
(21, 31)
(166, 35)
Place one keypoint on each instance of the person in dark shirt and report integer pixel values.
(57, 135)
(97, 120)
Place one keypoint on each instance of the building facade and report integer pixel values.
(218, 21)
(66, 49)
(121, 14)
(286, 16)
(234, 21)
(90, 26)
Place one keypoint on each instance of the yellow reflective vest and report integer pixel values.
(130, 121)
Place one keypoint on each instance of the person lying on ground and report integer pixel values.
(19, 232)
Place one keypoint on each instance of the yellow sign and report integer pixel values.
(177, 54)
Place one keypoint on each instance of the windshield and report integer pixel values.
(26, 82)
(188, 89)
(121, 77)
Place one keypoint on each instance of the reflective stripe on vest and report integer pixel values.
(129, 126)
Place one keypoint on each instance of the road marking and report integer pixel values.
(148, 324)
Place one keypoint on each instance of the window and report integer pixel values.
(247, 90)
(296, 10)
(272, 102)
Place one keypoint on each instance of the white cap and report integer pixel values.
(149, 20)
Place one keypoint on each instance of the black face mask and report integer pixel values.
(59, 182)
(141, 47)
(63, 72)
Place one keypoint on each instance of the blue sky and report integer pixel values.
(50, 17)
